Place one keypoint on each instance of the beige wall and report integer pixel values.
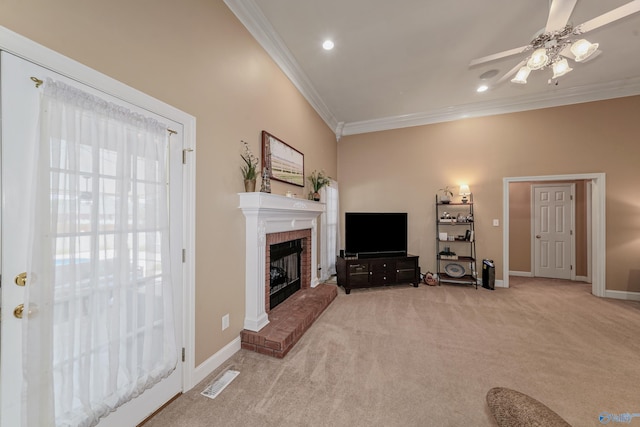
(520, 226)
(401, 170)
(196, 56)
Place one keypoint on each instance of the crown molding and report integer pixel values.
(250, 15)
(560, 97)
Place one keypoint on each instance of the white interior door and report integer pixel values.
(553, 231)
(20, 109)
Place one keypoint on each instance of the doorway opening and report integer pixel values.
(595, 191)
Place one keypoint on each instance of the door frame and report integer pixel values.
(33, 52)
(598, 228)
(572, 244)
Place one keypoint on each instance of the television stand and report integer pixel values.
(381, 255)
(377, 271)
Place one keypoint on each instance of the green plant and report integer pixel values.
(318, 180)
(249, 169)
(446, 190)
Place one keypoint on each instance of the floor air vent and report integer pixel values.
(223, 380)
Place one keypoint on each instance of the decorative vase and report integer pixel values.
(250, 185)
(265, 187)
(316, 196)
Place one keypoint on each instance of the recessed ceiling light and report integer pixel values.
(482, 88)
(327, 45)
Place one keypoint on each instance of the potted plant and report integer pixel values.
(317, 180)
(446, 195)
(249, 168)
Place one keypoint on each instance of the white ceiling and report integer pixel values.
(406, 62)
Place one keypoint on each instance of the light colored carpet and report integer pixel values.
(427, 356)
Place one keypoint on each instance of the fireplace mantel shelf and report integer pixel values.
(273, 202)
(271, 213)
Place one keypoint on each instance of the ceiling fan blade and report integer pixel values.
(609, 17)
(511, 72)
(566, 52)
(499, 55)
(559, 14)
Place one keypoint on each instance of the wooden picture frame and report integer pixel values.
(284, 162)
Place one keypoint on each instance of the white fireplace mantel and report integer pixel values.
(265, 214)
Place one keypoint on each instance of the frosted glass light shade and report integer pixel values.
(582, 49)
(561, 68)
(538, 59)
(521, 77)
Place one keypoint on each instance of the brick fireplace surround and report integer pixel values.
(274, 219)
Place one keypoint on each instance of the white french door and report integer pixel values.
(20, 110)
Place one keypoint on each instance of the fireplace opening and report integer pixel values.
(284, 271)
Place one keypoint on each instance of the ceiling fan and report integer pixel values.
(558, 41)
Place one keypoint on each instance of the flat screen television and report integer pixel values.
(376, 234)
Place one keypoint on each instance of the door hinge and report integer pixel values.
(571, 267)
(571, 197)
(184, 155)
(183, 354)
(184, 255)
(571, 232)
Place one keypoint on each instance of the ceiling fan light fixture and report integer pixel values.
(582, 49)
(539, 59)
(521, 76)
(560, 68)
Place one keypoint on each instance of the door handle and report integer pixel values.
(21, 279)
(18, 312)
(538, 236)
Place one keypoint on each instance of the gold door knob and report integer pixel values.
(17, 312)
(21, 279)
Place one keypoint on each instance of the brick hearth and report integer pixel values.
(289, 321)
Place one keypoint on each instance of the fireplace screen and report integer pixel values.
(284, 271)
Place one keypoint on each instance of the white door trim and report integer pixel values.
(31, 51)
(598, 225)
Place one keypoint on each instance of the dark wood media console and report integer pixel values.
(379, 271)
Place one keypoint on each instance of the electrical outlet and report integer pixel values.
(225, 321)
(496, 223)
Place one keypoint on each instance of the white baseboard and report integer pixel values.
(521, 273)
(625, 295)
(214, 362)
(583, 279)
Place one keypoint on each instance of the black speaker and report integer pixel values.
(341, 253)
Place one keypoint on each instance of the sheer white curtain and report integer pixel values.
(330, 229)
(101, 325)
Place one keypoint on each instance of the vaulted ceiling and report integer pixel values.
(406, 62)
